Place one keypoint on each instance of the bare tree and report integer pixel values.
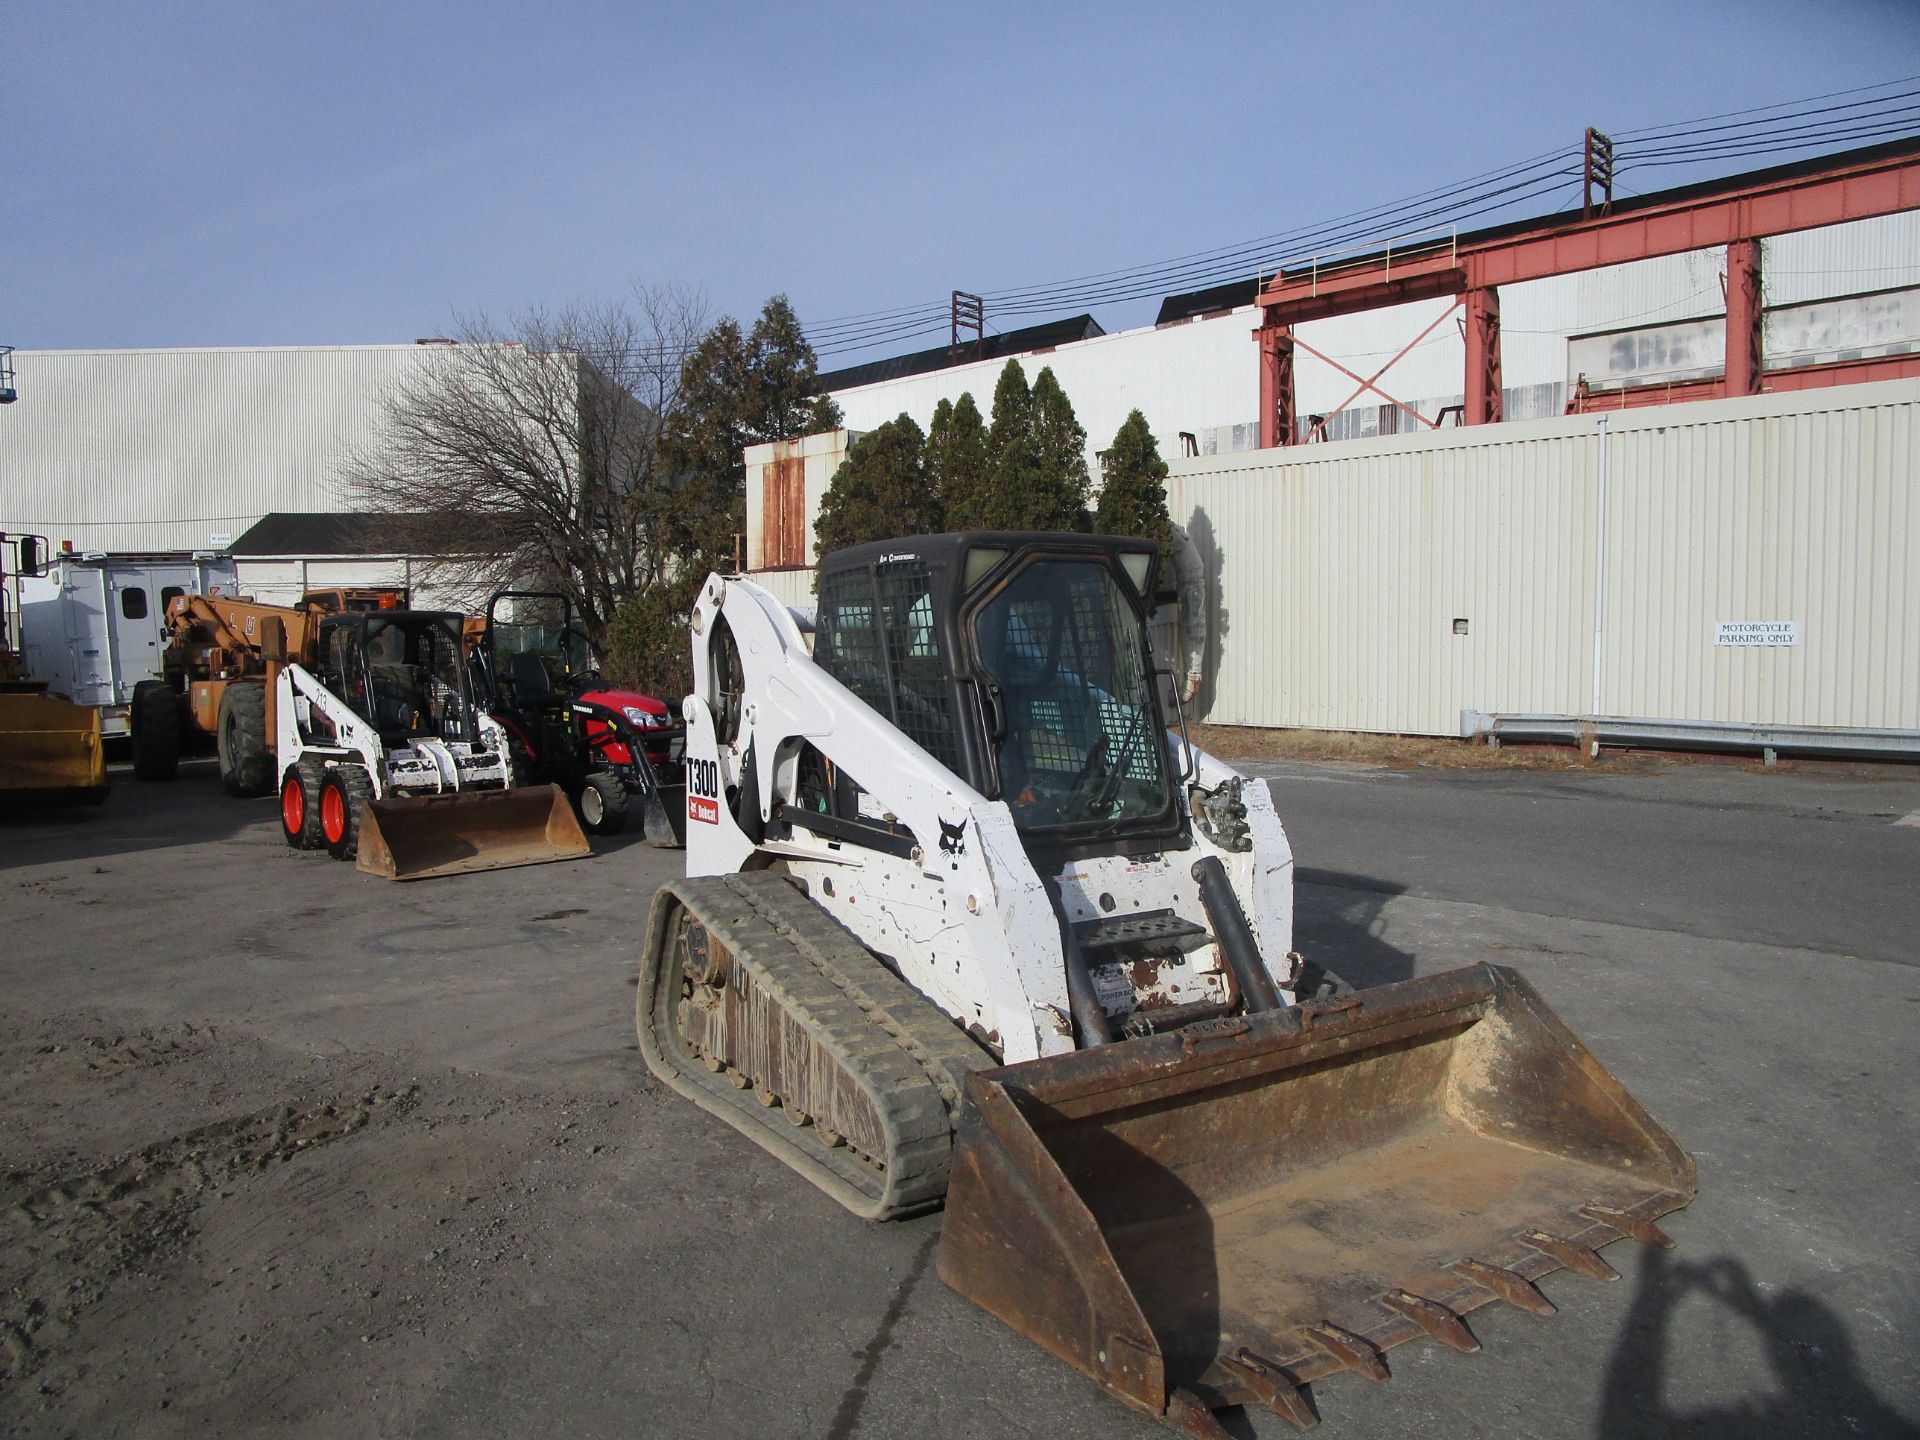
(528, 453)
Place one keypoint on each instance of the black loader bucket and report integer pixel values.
(418, 837)
(1225, 1214)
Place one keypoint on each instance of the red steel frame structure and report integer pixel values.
(1738, 216)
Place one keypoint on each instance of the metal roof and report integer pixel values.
(289, 532)
(994, 347)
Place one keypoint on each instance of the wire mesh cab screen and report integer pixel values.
(876, 634)
(402, 673)
(1079, 742)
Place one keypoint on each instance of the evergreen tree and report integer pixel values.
(957, 458)
(1133, 487)
(1013, 460)
(736, 389)
(881, 490)
(783, 398)
(1060, 444)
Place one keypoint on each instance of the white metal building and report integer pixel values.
(1692, 572)
(144, 450)
(1740, 571)
(1848, 291)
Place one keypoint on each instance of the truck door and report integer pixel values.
(136, 615)
(85, 614)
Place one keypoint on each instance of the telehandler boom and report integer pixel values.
(965, 921)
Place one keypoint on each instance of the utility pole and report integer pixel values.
(1597, 174)
(967, 312)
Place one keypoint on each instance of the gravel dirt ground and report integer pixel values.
(285, 1150)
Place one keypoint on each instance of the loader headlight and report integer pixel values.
(646, 719)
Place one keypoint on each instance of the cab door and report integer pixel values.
(136, 615)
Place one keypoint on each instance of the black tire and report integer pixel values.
(602, 803)
(154, 717)
(351, 789)
(300, 805)
(246, 760)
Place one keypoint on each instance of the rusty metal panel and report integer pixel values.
(785, 482)
(1389, 585)
(783, 503)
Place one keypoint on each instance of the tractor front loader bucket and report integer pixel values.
(50, 752)
(418, 837)
(1228, 1213)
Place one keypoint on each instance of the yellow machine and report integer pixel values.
(50, 749)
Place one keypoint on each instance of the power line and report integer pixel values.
(1864, 113)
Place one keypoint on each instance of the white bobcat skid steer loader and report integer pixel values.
(385, 757)
(965, 920)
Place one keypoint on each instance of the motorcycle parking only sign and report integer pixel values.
(1764, 633)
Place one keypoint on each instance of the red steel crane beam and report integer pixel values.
(1860, 191)
(1737, 217)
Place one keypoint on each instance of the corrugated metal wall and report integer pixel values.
(1339, 573)
(793, 588)
(172, 449)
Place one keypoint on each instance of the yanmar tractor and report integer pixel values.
(611, 750)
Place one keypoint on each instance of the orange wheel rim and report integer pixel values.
(293, 806)
(333, 814)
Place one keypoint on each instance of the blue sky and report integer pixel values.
(236, 174)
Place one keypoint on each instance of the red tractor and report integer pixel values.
(612, 750)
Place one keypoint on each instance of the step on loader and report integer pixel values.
(966, 921)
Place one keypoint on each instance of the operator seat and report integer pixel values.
(532, 686)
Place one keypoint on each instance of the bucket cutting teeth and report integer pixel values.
(1633, 1226)
(1273, 1387)
(1516, 1290)
(1434, 1318)
(1581, 1259)
(1349, 1352)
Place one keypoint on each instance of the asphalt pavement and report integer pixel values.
(289, 1150)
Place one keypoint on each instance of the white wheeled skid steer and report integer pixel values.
(385, 756)
(966, 920)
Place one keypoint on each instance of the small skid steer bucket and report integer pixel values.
(1225, 1214)
(419, 837)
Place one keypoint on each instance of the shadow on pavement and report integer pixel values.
(1819, 1389)
(1336, 923)
(136, 815)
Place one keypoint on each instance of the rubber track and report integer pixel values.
(908, 1057)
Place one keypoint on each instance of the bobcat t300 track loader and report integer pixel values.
(965, 920)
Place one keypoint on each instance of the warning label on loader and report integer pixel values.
(703, 791)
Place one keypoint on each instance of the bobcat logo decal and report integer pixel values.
(953, 838)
